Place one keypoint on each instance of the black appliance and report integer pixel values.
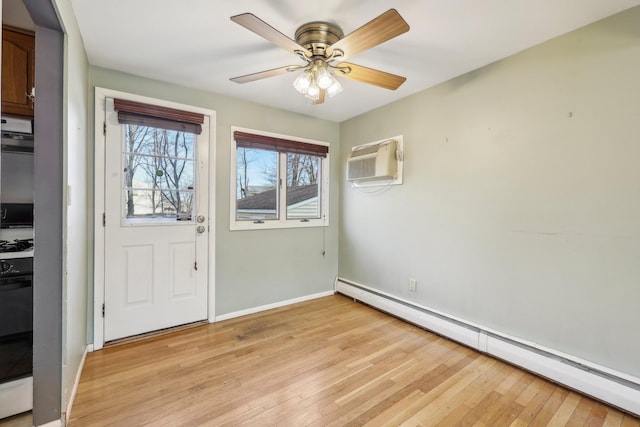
(16, 215)
(16, 315)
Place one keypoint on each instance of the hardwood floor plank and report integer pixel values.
(454, 395)
(563, 414)
(630, 421)
(535, 403)
(581, 413)
(613, 419)
(497, 408)
(543, 417)
(401, 412)
(454, 411)
(510, 408)
(326, 362)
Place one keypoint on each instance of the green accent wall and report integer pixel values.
(520, 208)
(261, 267)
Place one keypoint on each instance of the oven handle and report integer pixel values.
(7, 285)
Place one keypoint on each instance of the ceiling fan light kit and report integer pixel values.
(315, 79)
(320, 44)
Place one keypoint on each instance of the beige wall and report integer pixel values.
(260, 267)
(520, 209)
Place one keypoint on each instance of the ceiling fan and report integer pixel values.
(324, 48)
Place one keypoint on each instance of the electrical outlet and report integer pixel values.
(413, 285)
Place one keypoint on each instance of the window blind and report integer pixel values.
(249, 140)
(138, 113)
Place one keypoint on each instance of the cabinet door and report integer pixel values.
(18, 61)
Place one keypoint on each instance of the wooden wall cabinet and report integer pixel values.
(18, 69)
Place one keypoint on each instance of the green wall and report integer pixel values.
(520, 209)
(520, 205)
(254, 268)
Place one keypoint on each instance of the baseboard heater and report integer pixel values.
(615, 388)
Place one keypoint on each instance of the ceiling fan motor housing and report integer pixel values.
(317, 36)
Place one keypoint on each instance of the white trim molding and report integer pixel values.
(615, 388)
(76, 382)
(272, 306)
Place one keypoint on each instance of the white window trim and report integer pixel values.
(282, 222)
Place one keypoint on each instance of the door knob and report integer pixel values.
(200, 219)
(200, 229)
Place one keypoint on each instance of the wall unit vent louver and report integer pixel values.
(373, 162)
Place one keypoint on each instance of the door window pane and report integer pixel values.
(256, 185)
(159, 173)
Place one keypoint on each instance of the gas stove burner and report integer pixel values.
(17, 245)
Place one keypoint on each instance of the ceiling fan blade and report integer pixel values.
(369, 75)
(385, 27)
(266, 31)
(320, 100)
(265, 74)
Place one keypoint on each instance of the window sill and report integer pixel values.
(274, 224)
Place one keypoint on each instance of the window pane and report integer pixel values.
(256, 185)
(160, 204)
(303, 186)
(159, 173)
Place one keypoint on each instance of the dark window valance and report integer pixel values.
(249, 140)
(138, 113)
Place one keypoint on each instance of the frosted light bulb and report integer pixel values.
(334, 89)
(313, 93)
(324, 78)
(303, 82)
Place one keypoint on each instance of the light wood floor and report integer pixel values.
(20, 420)
(327, 362)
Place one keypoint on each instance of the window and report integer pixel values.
(159, 155)
(159, 173)
(278, 181)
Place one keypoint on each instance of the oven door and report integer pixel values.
(16, 305)
(16, 322)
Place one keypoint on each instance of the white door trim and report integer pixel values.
(99, 197)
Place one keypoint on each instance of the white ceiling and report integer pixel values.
(193, 43)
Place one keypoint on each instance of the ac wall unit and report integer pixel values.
(373, 162)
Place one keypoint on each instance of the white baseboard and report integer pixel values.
(616, 388)
(76, 381)
(271, 306)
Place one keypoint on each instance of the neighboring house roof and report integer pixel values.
(267, 199)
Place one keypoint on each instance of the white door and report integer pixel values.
(156, 227)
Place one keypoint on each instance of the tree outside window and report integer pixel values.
(159, 172)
